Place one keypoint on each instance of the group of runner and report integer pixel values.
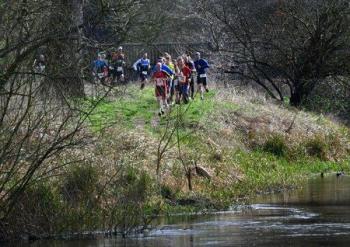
(109, 68)
(174, 80)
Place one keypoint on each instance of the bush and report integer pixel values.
(167, 192)
(276, 145)
(317, 147)
(129, 198)
(80, 190)
(296, 152)
(330, 97)
(36, 213)
(338, 146)
(80, 184)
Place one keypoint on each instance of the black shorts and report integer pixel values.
(202, 80)
(117, 74)
(143, 77)
(176, 85)
(192, 79)
(120, 74)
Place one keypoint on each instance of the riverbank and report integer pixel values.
(228, 147)
(317, 213)
(204, 156)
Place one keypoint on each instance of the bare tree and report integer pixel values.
(42, 113)
(287, 47)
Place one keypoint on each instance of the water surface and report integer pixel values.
(316, 215)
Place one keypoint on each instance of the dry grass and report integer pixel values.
(230, 142)
(257, 119)
(245, 120)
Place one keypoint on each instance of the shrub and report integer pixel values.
(330, 96)
(36, 213)
(337, 146)
(80, 184)
(296, 152)
(128, 200)
(167, 192)
(317, 147)
(276, 145)
(217, 156)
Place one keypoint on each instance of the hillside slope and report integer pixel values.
(225, 148)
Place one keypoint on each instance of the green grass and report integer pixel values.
(135, 105)
(264, 172)
(139, 108)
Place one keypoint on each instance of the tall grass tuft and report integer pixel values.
(80, 184)
(317, 147)
(276, 145)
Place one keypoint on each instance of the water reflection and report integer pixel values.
(330, 190)
(316, 215)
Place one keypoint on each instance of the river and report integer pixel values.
(316, 215)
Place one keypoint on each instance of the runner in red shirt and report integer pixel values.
(190, 64)
(160, 78)
(183, 78)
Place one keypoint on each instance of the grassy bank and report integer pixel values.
(206, 155)
(246, 144)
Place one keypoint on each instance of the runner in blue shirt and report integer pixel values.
(201, 68)
(164, 67)
(142, 66)
(100, 69)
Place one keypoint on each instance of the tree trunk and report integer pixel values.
(78, 15)
(296, 98)
(189, 179)
(301, 91)
(65, 59)
(78, 20)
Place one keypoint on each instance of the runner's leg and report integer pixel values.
(205, 84)
(200, 87)
(143, 79)
(192, 87)
(159, 97)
